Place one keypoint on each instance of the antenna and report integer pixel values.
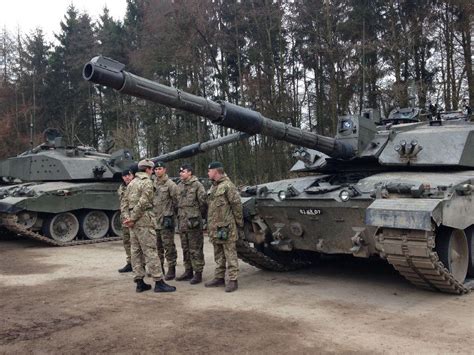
(363, 63)
(32, 116)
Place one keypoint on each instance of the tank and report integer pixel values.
(400, 192)
(62, 195)
(67, 195)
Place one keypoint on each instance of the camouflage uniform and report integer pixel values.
(224, 216)
(165, 202)
(191, 203)
(143, 234)
(122, 193)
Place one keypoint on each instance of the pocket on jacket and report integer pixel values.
(223, 232)
(168, 222)
(193, 222)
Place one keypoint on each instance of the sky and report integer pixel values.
(47, 14)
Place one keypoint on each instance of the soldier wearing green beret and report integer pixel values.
(127, 177)
(224, 218)
(165, 206)
(191, 207)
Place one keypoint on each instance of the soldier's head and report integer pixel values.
(127, 176)
(215, 170)
(146, 166)
(133, 169)
(160, 169)
(185, 172)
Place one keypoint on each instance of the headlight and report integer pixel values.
(345, 195)
(346, 124)
(282, 195)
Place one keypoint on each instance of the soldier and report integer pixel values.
(165, 203)
(191, 207)
(223, 220)
(127, 177)
(142, 222)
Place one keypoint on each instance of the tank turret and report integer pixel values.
(401, 191)
(408, 144)
(55, 161)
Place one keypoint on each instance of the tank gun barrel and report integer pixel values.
(110, 73)
(197, 148)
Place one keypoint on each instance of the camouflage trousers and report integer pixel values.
(192, 242)
(126, 243)
(226, 253)
(166, 246)
(144, 253)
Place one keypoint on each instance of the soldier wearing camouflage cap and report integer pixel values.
(191, 207)
(142, 222)
(224, 218)
(165, 206)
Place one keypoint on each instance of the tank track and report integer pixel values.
(412, 254)
(258, 259)
(9, 221)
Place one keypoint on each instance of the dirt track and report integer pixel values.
(72, 300)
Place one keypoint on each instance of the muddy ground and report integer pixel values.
(73, 300)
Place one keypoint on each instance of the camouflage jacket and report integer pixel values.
(123, 195)
(225, 211)
(165, 199)
(139, 201)
(191, 204)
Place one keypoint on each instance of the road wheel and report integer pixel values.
(470, 241)
(62, 227)
(453, 251)
(27, 218)
(115, 224)
(94, 224)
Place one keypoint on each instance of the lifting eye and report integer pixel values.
(282, 195)
(345, 195)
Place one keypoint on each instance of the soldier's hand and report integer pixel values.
(240, 232)
(129, 223)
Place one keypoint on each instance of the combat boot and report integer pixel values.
(161, 286)
(171, 274)
(126, 268)
(197, 278)
(186, 276)
(231, 286)
(215, 283)
(142, 286)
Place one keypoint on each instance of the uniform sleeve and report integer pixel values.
(202, 199)
(174, 195)
(124, 205)
(235, 203)
(120, 192)
(145, 202)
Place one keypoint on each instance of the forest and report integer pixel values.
(301, 62)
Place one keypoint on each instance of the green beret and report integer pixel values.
(215, 165)
(133, 169)
(160, 164)
(186, 166)
(126, 172)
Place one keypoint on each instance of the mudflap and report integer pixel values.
(404, 213)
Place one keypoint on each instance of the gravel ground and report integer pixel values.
(72, 300)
